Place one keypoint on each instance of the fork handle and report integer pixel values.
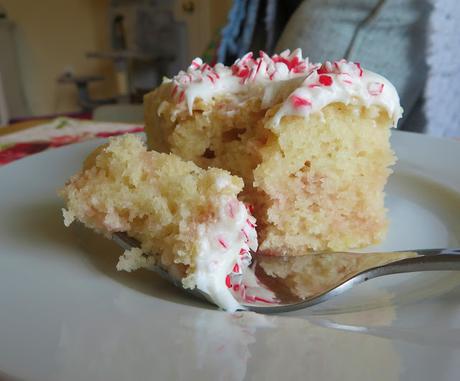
(432, 252)
(427, 260)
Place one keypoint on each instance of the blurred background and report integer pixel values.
(66, 56)
(87, 58)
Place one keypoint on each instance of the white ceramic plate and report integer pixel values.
(66, 314)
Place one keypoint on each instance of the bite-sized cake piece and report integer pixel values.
(186, 219)
(311, 142)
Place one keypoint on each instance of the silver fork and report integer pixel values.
(287, 299)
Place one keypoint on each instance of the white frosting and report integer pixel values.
(223, 253)
(301, 86)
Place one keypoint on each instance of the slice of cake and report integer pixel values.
(311, 142)
(187, 219)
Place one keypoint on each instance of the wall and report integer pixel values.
(219, 12)
(203, 23)
(53, 35)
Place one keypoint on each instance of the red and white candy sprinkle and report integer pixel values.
(375, 88)
(299, 101)
(223, 243)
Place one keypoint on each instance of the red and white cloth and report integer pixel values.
(56, 133)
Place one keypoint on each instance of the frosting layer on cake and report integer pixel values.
(303, 87)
